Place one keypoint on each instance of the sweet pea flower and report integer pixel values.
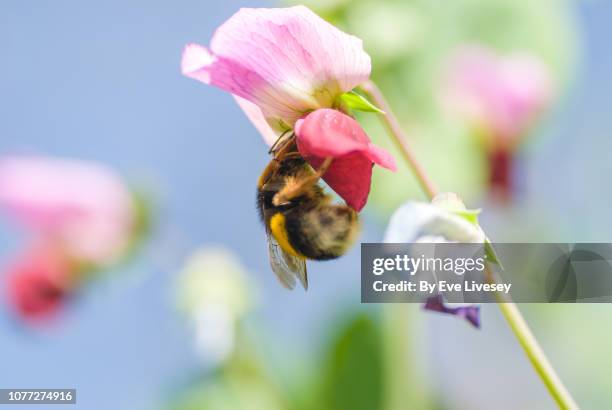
(38, 283)
(437, 222)
(81, 218)
(284, 66)
(501, 96)
(81, 207)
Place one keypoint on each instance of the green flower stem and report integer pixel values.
(533, 350)
(508, 308)
(396, 133)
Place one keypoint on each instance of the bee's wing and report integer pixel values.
(286, 267)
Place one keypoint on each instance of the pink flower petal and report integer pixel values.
(85, 207)
(287, 61)
(329, 133)
(254, 114)
(195, 60)
(503, 94)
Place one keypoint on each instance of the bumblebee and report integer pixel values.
(300, 219)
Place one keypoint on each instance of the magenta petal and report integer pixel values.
(381, 157)
(38, 283)
(328, 133)
(349, 176)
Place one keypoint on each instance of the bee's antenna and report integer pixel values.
(278, 140)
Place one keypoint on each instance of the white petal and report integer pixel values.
(415, 220)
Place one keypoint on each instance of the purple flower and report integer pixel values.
(468, 311)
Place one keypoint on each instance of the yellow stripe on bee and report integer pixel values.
(277, 226)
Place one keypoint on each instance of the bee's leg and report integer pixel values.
(296, 189)
(270, 169)
(324, 167)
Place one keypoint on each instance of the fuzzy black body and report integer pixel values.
(323, 232)
(308, 226)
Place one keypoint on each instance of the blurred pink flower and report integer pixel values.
(38, 283)
(329, 133)
(283, 65)
(501, 94)
(81, 207)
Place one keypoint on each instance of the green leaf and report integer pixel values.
(353, 378)
(359, 103)
(470, 215)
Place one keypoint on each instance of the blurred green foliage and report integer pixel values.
(350, 375)
(242, 382)
(353, 378)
